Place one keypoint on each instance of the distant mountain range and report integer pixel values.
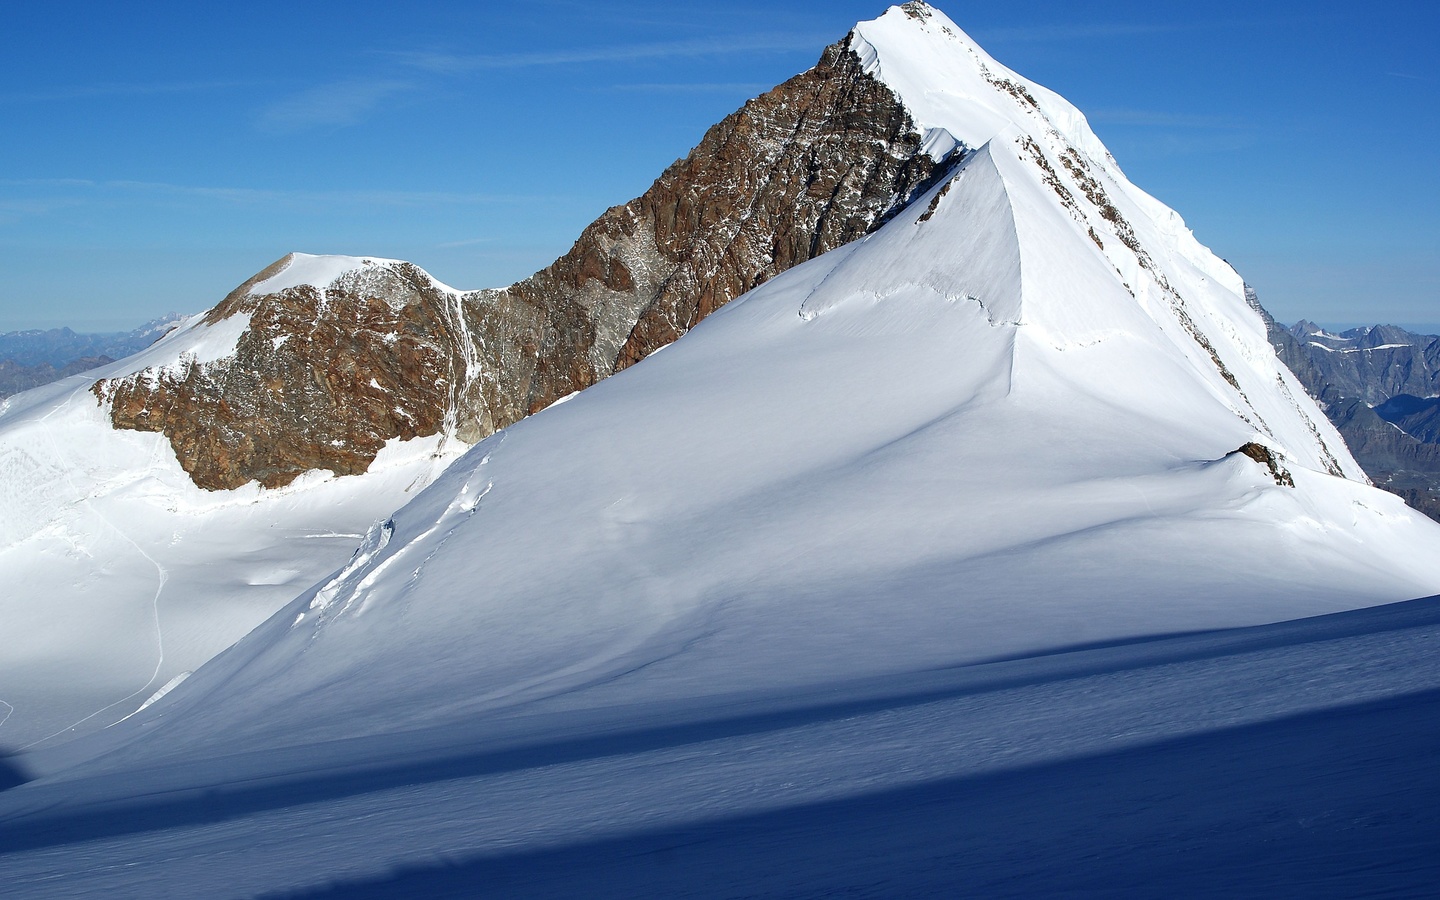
(1380, 386)
(34, 357)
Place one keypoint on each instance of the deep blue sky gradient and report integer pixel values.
(158, 154)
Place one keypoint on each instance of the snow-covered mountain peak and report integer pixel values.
(950, 85)
(1100, 257)
(1024, 412)
(973, 435)
(324, 271)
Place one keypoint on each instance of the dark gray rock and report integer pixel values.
(1418, 417)
(1374, 363)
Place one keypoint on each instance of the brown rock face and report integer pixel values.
(815, 163)
(323, 378)
(319, 380)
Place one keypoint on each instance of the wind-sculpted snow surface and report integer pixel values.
(1284, 759)
(880, 461)
(121, 574)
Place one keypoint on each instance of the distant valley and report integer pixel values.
(31, 358)
(1380, 386)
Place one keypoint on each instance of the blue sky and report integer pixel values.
(158, 154)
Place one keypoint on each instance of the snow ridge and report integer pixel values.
(950, 85)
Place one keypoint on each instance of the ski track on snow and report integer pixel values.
(164, 576)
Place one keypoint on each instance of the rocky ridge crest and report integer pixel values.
(324, 376)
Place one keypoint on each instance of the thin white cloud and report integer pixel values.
(1169, 144)
(309, 197)
(331, 105)
(456, 64)
(87, 91)
(80, 189)
(12, 211)
(46, 182)
(1078, 31)
(1405, 75)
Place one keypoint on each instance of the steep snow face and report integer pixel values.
(953, 88)
(958, 439)
(121, 574)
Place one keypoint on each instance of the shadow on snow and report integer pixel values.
(1337, 803)
(195, 804)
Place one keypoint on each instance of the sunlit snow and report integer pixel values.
(931, 566)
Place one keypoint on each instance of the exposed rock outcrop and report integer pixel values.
(1267, 458)
(815, 163)
(320, 379)
(324, 376)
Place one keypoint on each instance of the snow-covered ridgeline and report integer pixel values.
(953, 87)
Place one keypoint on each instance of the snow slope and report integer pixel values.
(881, 461)
(1281, 760)
(122, 574)
(877, 562)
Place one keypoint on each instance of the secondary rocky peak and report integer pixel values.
(320, 377)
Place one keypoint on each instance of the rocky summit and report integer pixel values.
(325, 374)
(321, 378)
